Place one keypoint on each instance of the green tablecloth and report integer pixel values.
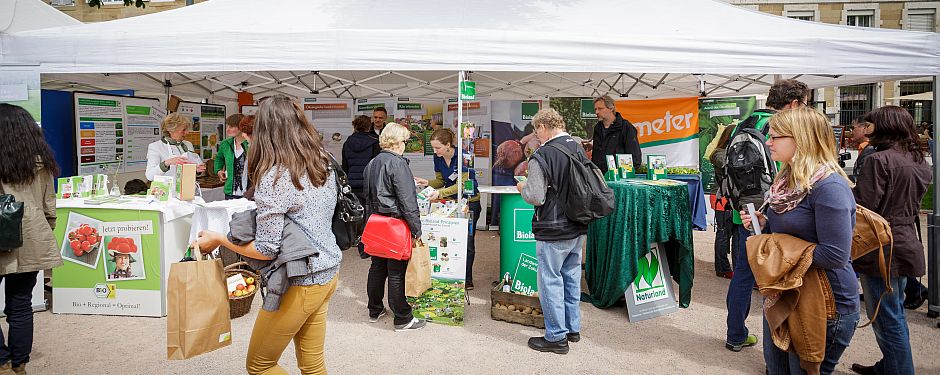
(645, 214)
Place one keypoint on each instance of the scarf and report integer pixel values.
(782, 198)
(179, 144)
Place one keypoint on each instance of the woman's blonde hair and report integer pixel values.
(815, 145)
(550, 118)
(392, 135)
(173, 122)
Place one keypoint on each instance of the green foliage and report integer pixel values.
(127, 3)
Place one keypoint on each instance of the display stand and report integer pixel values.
(152, 234)
(446, 240)
(517, 244)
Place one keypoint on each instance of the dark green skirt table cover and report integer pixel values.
(644, 214)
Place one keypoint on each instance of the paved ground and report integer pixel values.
(688, 342)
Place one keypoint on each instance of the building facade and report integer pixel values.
(848, 102)
(114, 9)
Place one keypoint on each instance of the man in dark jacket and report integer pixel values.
(613, 134)
(557, 239)
(361, 147)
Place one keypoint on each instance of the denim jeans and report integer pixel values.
(890, 327)
(839, 332)
(19, 310)
(738, 300)
(725, 239)
(559, 281)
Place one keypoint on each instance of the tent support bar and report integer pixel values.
(933, 232)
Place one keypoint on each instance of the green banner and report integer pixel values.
(468, 90)
(529, 109)
(97, 102)
(587, 109)
(138, 110)
(112, 262)
(517, 244)
(111, 119)
(369, 107)
(713, 113)
(409, 106)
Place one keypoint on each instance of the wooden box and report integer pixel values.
(501, 303)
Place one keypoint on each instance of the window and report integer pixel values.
(805, 15)
(63, 3)
(921, 110)
(855, 101)
(859, 20)
(921, 20)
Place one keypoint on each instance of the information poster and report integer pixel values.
(208, 127)
(112, 263)
(478, 113)
(417, 115)
(212, 129)
(443, 303)
(715, 113)
(20, 85)
(332, 117)
(651, 294)
(143, 117)
(99, 133)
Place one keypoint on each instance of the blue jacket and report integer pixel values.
(358, 150)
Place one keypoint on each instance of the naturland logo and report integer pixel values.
(649, 285)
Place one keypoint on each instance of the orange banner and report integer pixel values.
(325, 106)
(662, 121)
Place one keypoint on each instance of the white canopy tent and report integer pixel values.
(520, 49)
(22, 15)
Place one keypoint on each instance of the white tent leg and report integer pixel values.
(933, 233)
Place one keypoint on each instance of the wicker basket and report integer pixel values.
(239, 306)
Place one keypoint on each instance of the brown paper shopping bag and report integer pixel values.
(197, 311)
(418, 275)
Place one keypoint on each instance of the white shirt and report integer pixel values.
(160, 151)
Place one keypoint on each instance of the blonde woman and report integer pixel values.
(390, 191)
(171, 150)
(811, 199)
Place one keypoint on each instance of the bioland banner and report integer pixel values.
(666, 127)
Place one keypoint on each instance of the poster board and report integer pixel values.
(443, 303)
(90, 283)
(20, 86)
(712, 113)
(651, 294)
(112, 132)
(667, 127)
(332, 117)
(477, 112)
(208, 127)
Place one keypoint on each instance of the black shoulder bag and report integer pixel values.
(347, 216)
(11, 222)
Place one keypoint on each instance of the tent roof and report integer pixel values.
(679, 36)
(22, 15)
(525, 48)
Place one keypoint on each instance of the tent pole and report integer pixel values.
(933, 234)
(459, 150)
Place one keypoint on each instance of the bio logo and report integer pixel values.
(649, 285)
(101, 291)
(522, 223)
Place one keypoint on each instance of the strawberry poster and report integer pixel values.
(112, 263)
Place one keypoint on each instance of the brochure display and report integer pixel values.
(117, 256)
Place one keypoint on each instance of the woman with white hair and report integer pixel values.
(390, 191)
(165, 154)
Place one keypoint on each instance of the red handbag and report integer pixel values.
(387, 237)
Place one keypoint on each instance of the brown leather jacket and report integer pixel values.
(798, 298)
(892, 184)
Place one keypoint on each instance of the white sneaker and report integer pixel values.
(376, 318)
(414, 325)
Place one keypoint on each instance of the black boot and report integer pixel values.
(864, 370)
(543, 345)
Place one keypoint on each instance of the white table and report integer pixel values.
(495, 190)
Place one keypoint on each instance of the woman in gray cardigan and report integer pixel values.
(289, 171)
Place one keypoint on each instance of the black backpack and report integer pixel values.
(589, 198)
(748, 169)
(347, 216)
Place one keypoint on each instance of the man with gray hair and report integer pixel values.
(613, 134)
(558, 239)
